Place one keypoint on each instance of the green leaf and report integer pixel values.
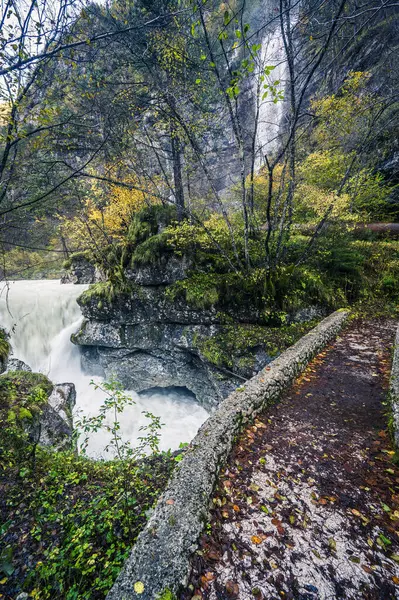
(383, 541)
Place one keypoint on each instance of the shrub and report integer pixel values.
(69, 525)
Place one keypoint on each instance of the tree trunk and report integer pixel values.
(177, 174)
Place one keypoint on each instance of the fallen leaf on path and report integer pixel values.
(367, 569)
(232, 588)
(256, 540)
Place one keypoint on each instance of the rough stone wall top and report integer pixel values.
(394, 389)
(160, 559)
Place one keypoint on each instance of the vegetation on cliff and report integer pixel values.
(321, 256)
(197, 112)
(68, 522)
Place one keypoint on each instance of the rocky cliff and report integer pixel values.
(146, 340)
(147, 337)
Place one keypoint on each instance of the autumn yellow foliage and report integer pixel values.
(117, 214)
(100, 222)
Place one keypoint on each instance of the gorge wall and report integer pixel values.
(148, 337)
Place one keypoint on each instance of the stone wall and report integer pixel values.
(160, 559)
(394, 390)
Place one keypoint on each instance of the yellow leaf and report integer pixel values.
(139, 587)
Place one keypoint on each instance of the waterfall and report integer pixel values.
(40, 317)
(272, 53)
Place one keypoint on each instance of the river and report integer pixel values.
(40, 317)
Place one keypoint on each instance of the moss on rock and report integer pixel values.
(234, 345)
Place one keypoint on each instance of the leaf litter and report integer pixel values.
(311, 508)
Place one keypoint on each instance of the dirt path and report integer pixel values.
(308, 505)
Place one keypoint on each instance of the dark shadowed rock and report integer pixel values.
(167, 270)
(15, 364)
(81, 271)
(55, 426)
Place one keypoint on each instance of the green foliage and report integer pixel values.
(67, 264)
(364, 196)
(19, 263)
(73, 520)
(22, 396)
(380, 274)
(208, 246)
(114, 404)
(148, 222)
(261, 296)
(4, 345)
(199, 291)
(151, 250)
(167, 595)
(145, 243)
(100, 292)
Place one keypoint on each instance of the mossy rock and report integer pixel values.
(4, 349)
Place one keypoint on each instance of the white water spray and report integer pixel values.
(272, 53)
(41, 316)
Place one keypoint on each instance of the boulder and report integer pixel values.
(167, 270)
(63, 399)
(55, 427)
(150, 355)
(81, 270)
(15, 364)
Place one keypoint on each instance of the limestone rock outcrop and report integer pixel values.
(147, 339)
(80, 270)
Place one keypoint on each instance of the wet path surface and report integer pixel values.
(308, 504)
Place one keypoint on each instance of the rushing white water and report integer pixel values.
(41, 316)
(272, 53)
(270, 113)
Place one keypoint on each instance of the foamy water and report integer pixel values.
(41, 316)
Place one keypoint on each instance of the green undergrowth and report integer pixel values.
(22, 396)
(339, 270)
(265, 299)
(4, 346)
(23, 384)
(104, 291)
(145, 243)
(68, 522)
(65, 530)
(232, 347)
